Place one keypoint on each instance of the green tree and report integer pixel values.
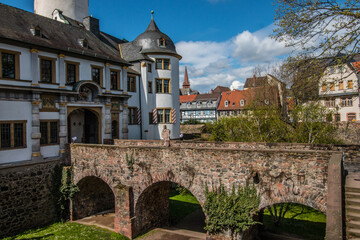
(310, 122)
(232, 212)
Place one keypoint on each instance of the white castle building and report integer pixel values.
(63, 80)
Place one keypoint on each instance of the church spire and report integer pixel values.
(186, 83)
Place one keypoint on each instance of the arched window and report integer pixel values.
(162, 42)
(226, 103)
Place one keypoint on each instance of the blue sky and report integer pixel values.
(220, 40)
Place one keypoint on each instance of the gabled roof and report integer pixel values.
(234, 97)
(256, 95)
(255, 82)
(207, 97)
(187, 98)
(16, 25)
(220, 89)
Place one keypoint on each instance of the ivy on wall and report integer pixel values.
(232, 212)
(63, 189)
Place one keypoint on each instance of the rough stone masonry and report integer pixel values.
(139, 172)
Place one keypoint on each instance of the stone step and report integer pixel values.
(352, 202)
(353, 209)
(352, 195)
(353, 232)
(353, 215)
(353, 224)
(352, 189)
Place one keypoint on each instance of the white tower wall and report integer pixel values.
(75, 9)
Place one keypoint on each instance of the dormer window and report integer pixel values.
(37, 32)
(226, 103)
(162, 42)
(85, 43)
(242, 102)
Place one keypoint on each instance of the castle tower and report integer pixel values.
(186, 83)
(75, 9)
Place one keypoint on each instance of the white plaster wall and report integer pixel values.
(75, 9)
(50, 151)
(160, 100)
(16, 110)
(134, 132)
(336, 76)
(346, 75)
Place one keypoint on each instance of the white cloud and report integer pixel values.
(230, 62)
(236, 85)
(250, 48)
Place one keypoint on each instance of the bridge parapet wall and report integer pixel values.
(351, 152)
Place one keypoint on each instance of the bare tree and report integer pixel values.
(321, 28)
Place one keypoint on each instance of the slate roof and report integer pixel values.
(147, 43)
(207, 96)
(16, 25)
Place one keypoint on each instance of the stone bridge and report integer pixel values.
(134, 178)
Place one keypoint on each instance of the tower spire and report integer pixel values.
(186, 83)
(152, 15)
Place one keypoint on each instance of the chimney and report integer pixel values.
(92, 24)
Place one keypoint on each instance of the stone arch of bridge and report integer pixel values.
(152, 206)
(95, 196)
(299, 200)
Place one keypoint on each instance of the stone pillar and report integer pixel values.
(125, 116)
(334, 217)
(35, 126)
(124, 79)
(35, 67)
(62, 75)
(123, 222)
(63, 124)
(107, 77)
(107, 118)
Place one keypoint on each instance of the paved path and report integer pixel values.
(190, 228)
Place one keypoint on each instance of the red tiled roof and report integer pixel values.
(187, 98)
(356, 66)
(234, 98)
(249, 95)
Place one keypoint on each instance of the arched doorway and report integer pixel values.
(95, 199)
(160, 205)
(83, 126)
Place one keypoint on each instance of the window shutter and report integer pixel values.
(155, 117)
(173, 115)
(138, 114)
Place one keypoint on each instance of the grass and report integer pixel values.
(181, 205)
(310, 225)
(69, 231)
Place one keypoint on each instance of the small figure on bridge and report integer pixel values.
(165, 134)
